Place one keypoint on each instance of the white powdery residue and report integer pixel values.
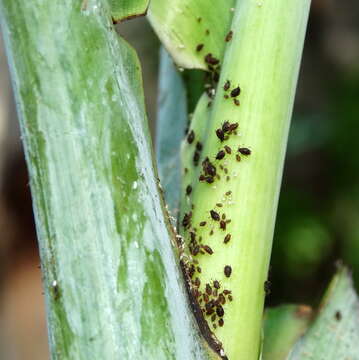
(134, 185)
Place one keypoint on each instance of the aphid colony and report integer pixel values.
(210, 297)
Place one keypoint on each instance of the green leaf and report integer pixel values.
(283, 326)
(112, 284)
(171, 125)
(182, 25)
(127, 9)
(334, 333)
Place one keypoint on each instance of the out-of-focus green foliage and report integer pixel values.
(283, 326)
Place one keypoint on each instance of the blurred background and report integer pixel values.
(318, 215)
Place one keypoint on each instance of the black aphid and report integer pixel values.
(227, 271)
(190, 137)
(236, 91)
(222, 225)
(210, 59)
(202, 223)
(220, 134)
(227, 85)
(199, 146)
(228, 149)
(220, 155)
(238, 158)
(244, 151)
(236, 102)
(338, 316)
(227, 238)
(199, 47)
(220, 311)
(207, 249)
(188, 189)
(214, 215)
(196, 157)
(220, 322)
(216, 284)
(229, 36)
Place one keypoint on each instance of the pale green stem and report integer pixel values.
(263, 58)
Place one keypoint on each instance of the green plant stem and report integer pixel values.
(112, 285)
(263, 58)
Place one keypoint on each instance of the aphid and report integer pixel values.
(188, 189)
(228, 178)
(230, 298)
(199, 269)
(244, 151)
(207, 249)
(197, 282)
(190, 137)
(220, 134)
(228, 149)
(199, 47)
(227, 85)
(219, 205)
(202, 177)
(238, 158)
(214, 326)
(220, 155)
(220, 311)
(236, 91)
(220, 322)
(209, 104)
(209, 179)
(233, 127)
(209, 168)
(213, 318)
(226, 292)
(227, 238)
(193, 236)
(215, 292)
(187, 219)
(211, 233)
(226, 96)
(199, 19)
(196, 157)
(223, 216)
(236, 102)
(222, 225)
(216, 76)
(199, 146)
(205, 298)
(226, 126)
(228, 193)
(227, 271)
(185, 170)
(216, 284)
(267, 285)
(202, 223)
(214, 215)
(222, 299)
(229, 36)
(210, 59)
(338, 316)
(195, 250)
(208, 289)
(207, 32)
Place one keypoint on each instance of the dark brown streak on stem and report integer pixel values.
(134, 16)
(206, 332)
